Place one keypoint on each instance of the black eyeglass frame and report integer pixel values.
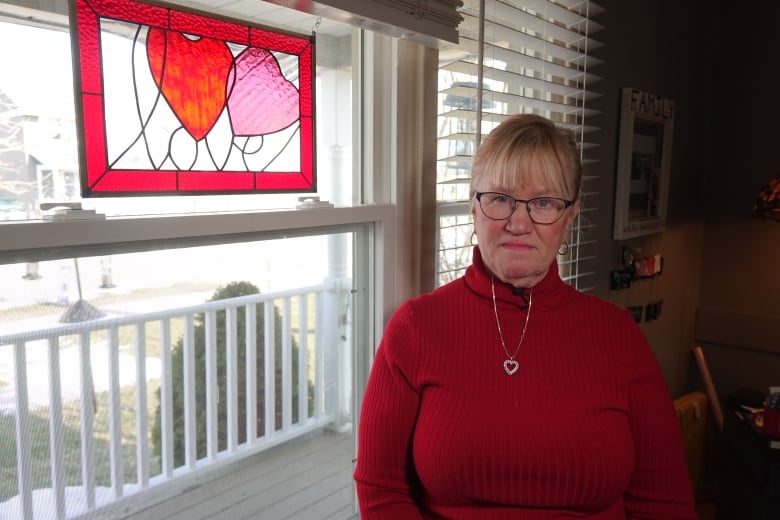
(566, 204)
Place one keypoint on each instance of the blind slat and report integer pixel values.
(425, 22)
(510, 77)
(510, 38)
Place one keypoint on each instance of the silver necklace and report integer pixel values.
(510, 364)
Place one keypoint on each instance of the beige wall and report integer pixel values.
(738, 323)
(721, 278)
(648, 46)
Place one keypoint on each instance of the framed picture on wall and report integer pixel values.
(643, 165)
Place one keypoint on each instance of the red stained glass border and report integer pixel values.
(98, 179)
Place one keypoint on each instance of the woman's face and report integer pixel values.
(517, 250)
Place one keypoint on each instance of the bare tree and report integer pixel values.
(15, 181)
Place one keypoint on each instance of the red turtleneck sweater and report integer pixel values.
(584, 429)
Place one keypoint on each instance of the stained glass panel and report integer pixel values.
(172, 101)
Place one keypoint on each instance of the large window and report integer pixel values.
(157, 342)
(38, 147)
(513, 57)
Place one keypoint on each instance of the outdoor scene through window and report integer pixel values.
(126, 369)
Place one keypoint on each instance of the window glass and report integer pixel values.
(120, 326)
(102, 338)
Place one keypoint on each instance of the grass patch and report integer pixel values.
(40, 443)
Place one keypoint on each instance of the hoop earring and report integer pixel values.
(472, 237)
(563, 249)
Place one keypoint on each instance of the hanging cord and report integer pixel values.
(480, 70)
(574, 269)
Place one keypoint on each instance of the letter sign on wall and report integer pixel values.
(644, 161)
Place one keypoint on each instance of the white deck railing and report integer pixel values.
(296, 411)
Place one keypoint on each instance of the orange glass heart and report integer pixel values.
(192, 75)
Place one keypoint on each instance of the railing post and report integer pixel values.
(212, 388)
(115, 414)
(303, 359)
(337, 362)
(286, 383)
(231, 376)
(23, 451)
(190, 395)
(338, 359)
(251, 372)
(269, 360)
(141, 403)
(56, 448)
(87, 405)
(166, 400)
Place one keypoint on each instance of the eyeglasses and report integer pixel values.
(542, 210)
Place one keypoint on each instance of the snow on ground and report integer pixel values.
(44, 505)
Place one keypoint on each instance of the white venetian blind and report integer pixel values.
(428, 22)
(528, 57)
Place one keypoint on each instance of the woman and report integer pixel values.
(507, 393)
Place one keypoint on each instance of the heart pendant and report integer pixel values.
(511, 366)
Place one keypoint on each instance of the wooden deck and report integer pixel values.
(304, 479)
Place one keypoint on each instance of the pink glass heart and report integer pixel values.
(260, 99)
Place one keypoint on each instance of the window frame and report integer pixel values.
(31, 241)
(374, 217)
(376, 86)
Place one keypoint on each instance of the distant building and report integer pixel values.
(38, 160)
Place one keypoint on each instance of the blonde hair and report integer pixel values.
(525, 146)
